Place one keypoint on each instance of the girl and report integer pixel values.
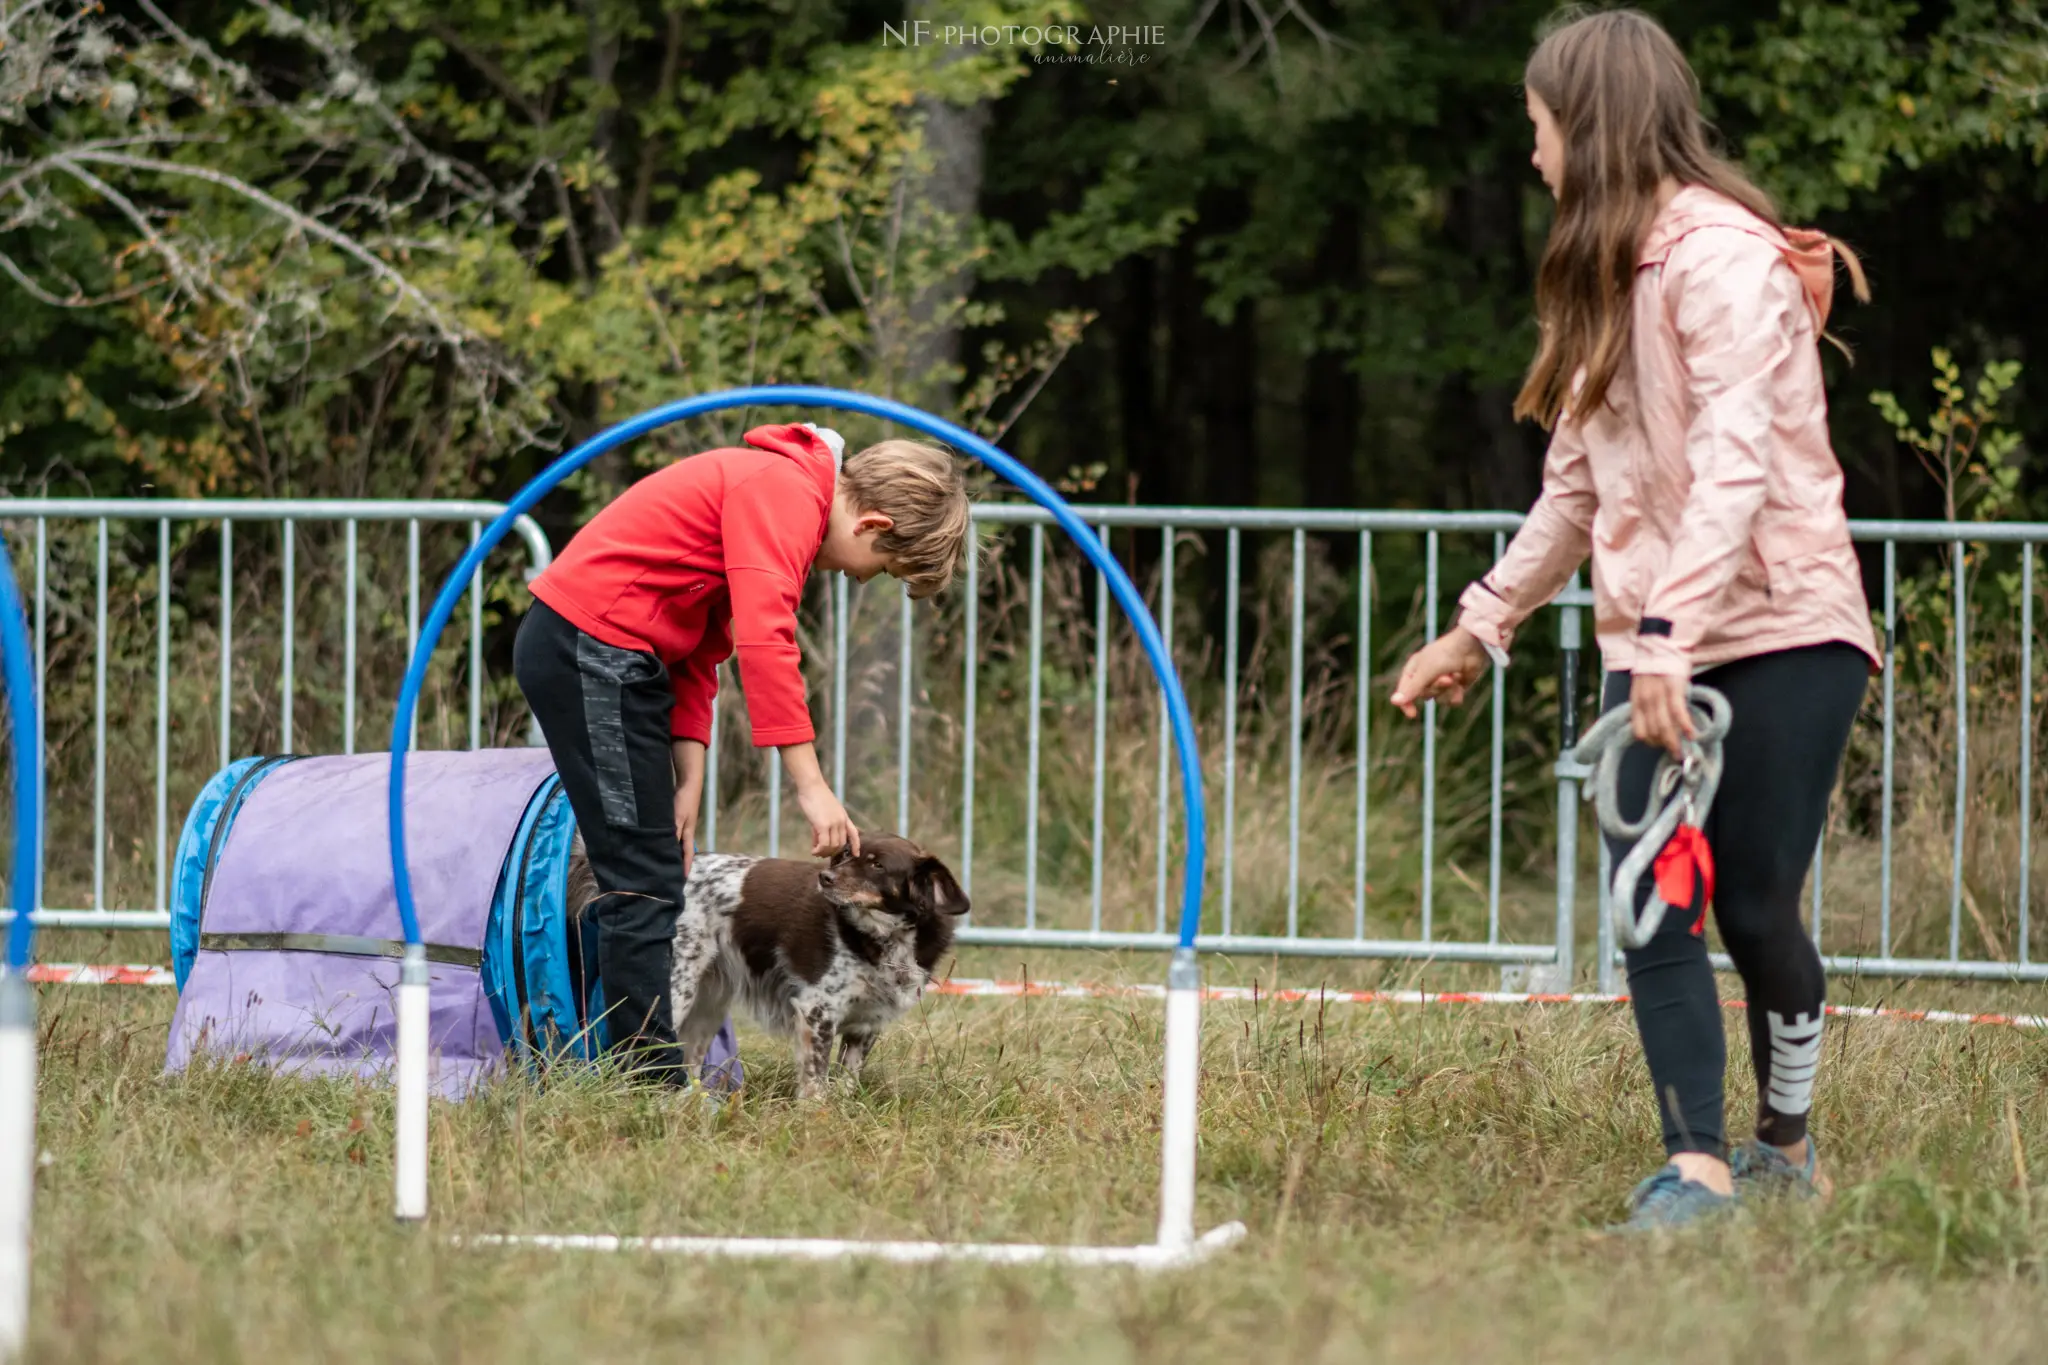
(1679, 374)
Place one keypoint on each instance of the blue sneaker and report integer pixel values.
(1668, 1200)
(1762, 1171)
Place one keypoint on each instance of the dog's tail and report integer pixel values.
(582, 882)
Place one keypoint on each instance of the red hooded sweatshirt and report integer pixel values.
(704, 559)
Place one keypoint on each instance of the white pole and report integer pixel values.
(1147, 1257)
(1183, 1063)
(17, 1156)
(413, 1000)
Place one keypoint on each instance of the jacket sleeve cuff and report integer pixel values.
(696, 693)
(780, 735)
(1659, 656)
(1483, 612)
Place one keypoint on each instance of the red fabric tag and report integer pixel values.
(1686, 855)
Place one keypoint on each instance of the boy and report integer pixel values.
(618, 660)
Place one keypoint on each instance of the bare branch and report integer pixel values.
(675, 355)
(826, 316)
(501, 80)
(643, 180)
(484, 370)
(1194, 30)
(885, 269)
(755, 313)
(188, 277)
(860, 295)
(77, 298)
(1024, 400)
(237, 75)
(306, 223)
(1271, 47)
(353, 83)
(1268, 41)
(1324, 38)
(32, 170)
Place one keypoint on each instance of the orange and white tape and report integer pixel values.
(970, 986)
(87, 974)
(83, 974)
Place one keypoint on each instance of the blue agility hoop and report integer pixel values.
(807, 396)
(17, 667)
(17, 998)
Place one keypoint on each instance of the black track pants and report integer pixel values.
(1793, 711)
(605, 712)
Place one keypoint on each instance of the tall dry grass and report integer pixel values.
(1420, 1185)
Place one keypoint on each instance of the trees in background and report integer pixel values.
(1344, 312)
(407, 248)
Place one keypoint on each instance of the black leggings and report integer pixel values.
(1792, 716)
(605, 713)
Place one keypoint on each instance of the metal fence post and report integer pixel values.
(1556, 977)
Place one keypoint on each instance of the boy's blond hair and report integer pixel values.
(923, 490)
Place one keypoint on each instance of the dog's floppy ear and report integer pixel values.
(932, 884)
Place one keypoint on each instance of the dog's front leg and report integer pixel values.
(853, 1052)
(816, 1027)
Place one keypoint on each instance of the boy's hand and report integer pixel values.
(688, 797)
(688, 756)
(831, 828)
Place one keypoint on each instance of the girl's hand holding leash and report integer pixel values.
(1659, 715)
(1442, 670)
(1447, 667)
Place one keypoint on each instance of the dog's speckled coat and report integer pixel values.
(812, 953)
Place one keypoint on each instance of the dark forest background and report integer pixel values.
(1283, 256)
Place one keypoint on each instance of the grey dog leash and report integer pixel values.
(1680, 793)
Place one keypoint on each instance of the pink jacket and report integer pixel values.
(1705, 489)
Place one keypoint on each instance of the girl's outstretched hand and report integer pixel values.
(1442, 670)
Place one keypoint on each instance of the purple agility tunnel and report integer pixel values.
(284, 921)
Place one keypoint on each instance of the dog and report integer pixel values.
(815, 954)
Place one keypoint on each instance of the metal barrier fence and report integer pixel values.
(288, 515)
(1262, 902)
(1222, 748)
(1957, 539)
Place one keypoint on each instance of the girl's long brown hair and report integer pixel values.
(1627, 106)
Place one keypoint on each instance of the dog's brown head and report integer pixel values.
(894, 875)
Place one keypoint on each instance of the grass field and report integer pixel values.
(1420, 1184)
